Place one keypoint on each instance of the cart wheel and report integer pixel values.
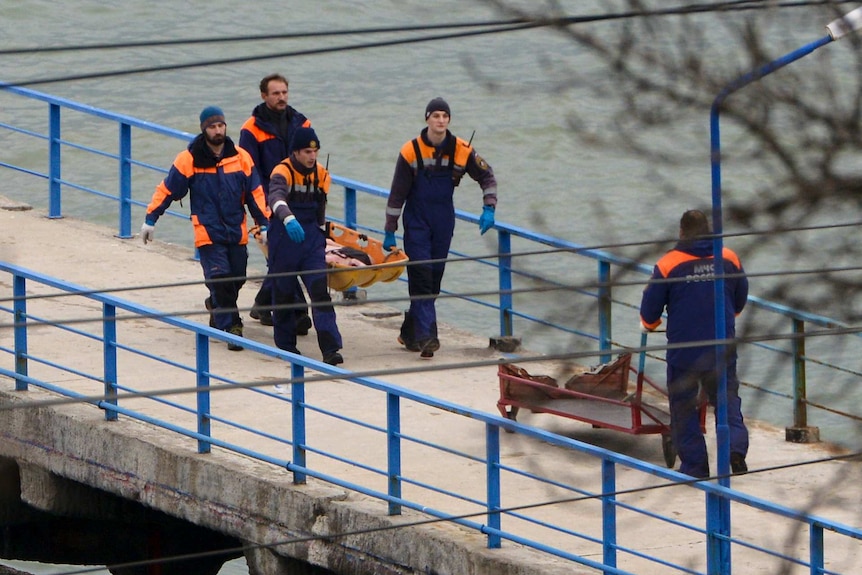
(511, 413)
(669, 450)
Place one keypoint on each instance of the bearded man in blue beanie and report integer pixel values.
(221, 181)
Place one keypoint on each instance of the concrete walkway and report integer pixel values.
(91, 256)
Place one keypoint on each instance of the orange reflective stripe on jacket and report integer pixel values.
(675, 257)
(459, 163)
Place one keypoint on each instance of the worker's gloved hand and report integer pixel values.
(262, 236)
(148, 232)
(486, 220)
(644, 329)
(294, 229)
(388, 241)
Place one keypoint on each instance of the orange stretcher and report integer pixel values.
(600, 397)
(343, 276)
(346, 276)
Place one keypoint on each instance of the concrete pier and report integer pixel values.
(67, 461)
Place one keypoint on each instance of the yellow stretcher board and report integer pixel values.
(346, 276)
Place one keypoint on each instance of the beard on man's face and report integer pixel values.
(216, 140)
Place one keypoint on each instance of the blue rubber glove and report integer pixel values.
(388, 241)
(294, 229)
(486, 220)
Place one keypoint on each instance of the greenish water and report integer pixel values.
(514, 93)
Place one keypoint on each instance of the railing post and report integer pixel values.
(609, 513)
(492, 455)
(55, 210)
(800, 432)
(297, 394)
(800, 385)
(350, 219)
(393, 449)
(19, 290)
(717, 533)
(815, 549)
(350, 207)
(125, 178)
(109, 330)
(605, 302)
(203, 395)
(504, 248)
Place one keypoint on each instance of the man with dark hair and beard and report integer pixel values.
(221, 181)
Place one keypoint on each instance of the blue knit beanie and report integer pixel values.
(305, 138)
(211, 115)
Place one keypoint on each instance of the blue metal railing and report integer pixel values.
(506, 296)
(482, 511)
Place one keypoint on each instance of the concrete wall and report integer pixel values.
(64, 451)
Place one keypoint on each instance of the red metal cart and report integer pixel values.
(600, 397)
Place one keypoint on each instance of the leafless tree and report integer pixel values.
(792, 143)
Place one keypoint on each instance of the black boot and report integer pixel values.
(405, 338)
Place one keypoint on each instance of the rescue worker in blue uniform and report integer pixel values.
(427, 171)
(683, 283)
(266, 136)
(298, 190)
(221, 181)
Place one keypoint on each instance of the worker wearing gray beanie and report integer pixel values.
(438, 104)
(427, 171)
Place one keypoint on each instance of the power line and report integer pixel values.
(493, 27)
(340, 373)
(262, 37)
(492, 256)
(732, 5)
(551, 287)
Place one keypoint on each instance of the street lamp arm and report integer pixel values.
(771, 67)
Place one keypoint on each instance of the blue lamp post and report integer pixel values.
(719, 557)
